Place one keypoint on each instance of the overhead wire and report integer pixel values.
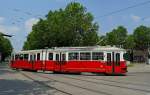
(124, 9)
(105, 15)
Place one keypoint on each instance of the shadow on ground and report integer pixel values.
(5, 70)
(23, 87)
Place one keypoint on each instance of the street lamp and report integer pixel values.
(2, 34)
(5, 35)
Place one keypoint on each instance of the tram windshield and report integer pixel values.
(126, 56)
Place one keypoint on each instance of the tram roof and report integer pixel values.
(105, 48)
(88, 48)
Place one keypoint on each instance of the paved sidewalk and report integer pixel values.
(139, 68)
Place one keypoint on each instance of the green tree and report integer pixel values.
(71, 26)
(5, 47)
(142, 37)
(117, 36)
(129, 46)
(129, 42)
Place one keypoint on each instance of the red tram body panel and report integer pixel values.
(96, 59)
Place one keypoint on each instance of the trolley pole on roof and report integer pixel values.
(99, 41)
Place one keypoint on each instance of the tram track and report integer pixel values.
(107, 80)
(107, 84)
(92, 90)
(43, 84)
(121, 82)
(69, 84)
(102, 83)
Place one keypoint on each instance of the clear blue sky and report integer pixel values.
(17, 16)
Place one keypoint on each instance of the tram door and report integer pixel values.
(60, 61)
(113, 62)
(57, 65)
(32, 59)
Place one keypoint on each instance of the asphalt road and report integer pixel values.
(137, 82)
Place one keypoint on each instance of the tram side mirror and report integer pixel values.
(126, 56)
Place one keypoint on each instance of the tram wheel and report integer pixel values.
(56, 72)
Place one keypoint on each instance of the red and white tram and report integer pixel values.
(98, 59)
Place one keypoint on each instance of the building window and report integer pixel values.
(50, 56)
(85, 56)
(26, 56)
(97, 56)
(148, 55)
(73, 56)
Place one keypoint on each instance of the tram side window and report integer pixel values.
(26, 56)
(50, 56)
(12, 57)
(73, 56)
(32, 57)
(85, 56)
(16, 57)
(63, 57)
(57, 57)
(109, 59)
(97, 56)
(38, 56)
(21, 56)
(117, 59)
